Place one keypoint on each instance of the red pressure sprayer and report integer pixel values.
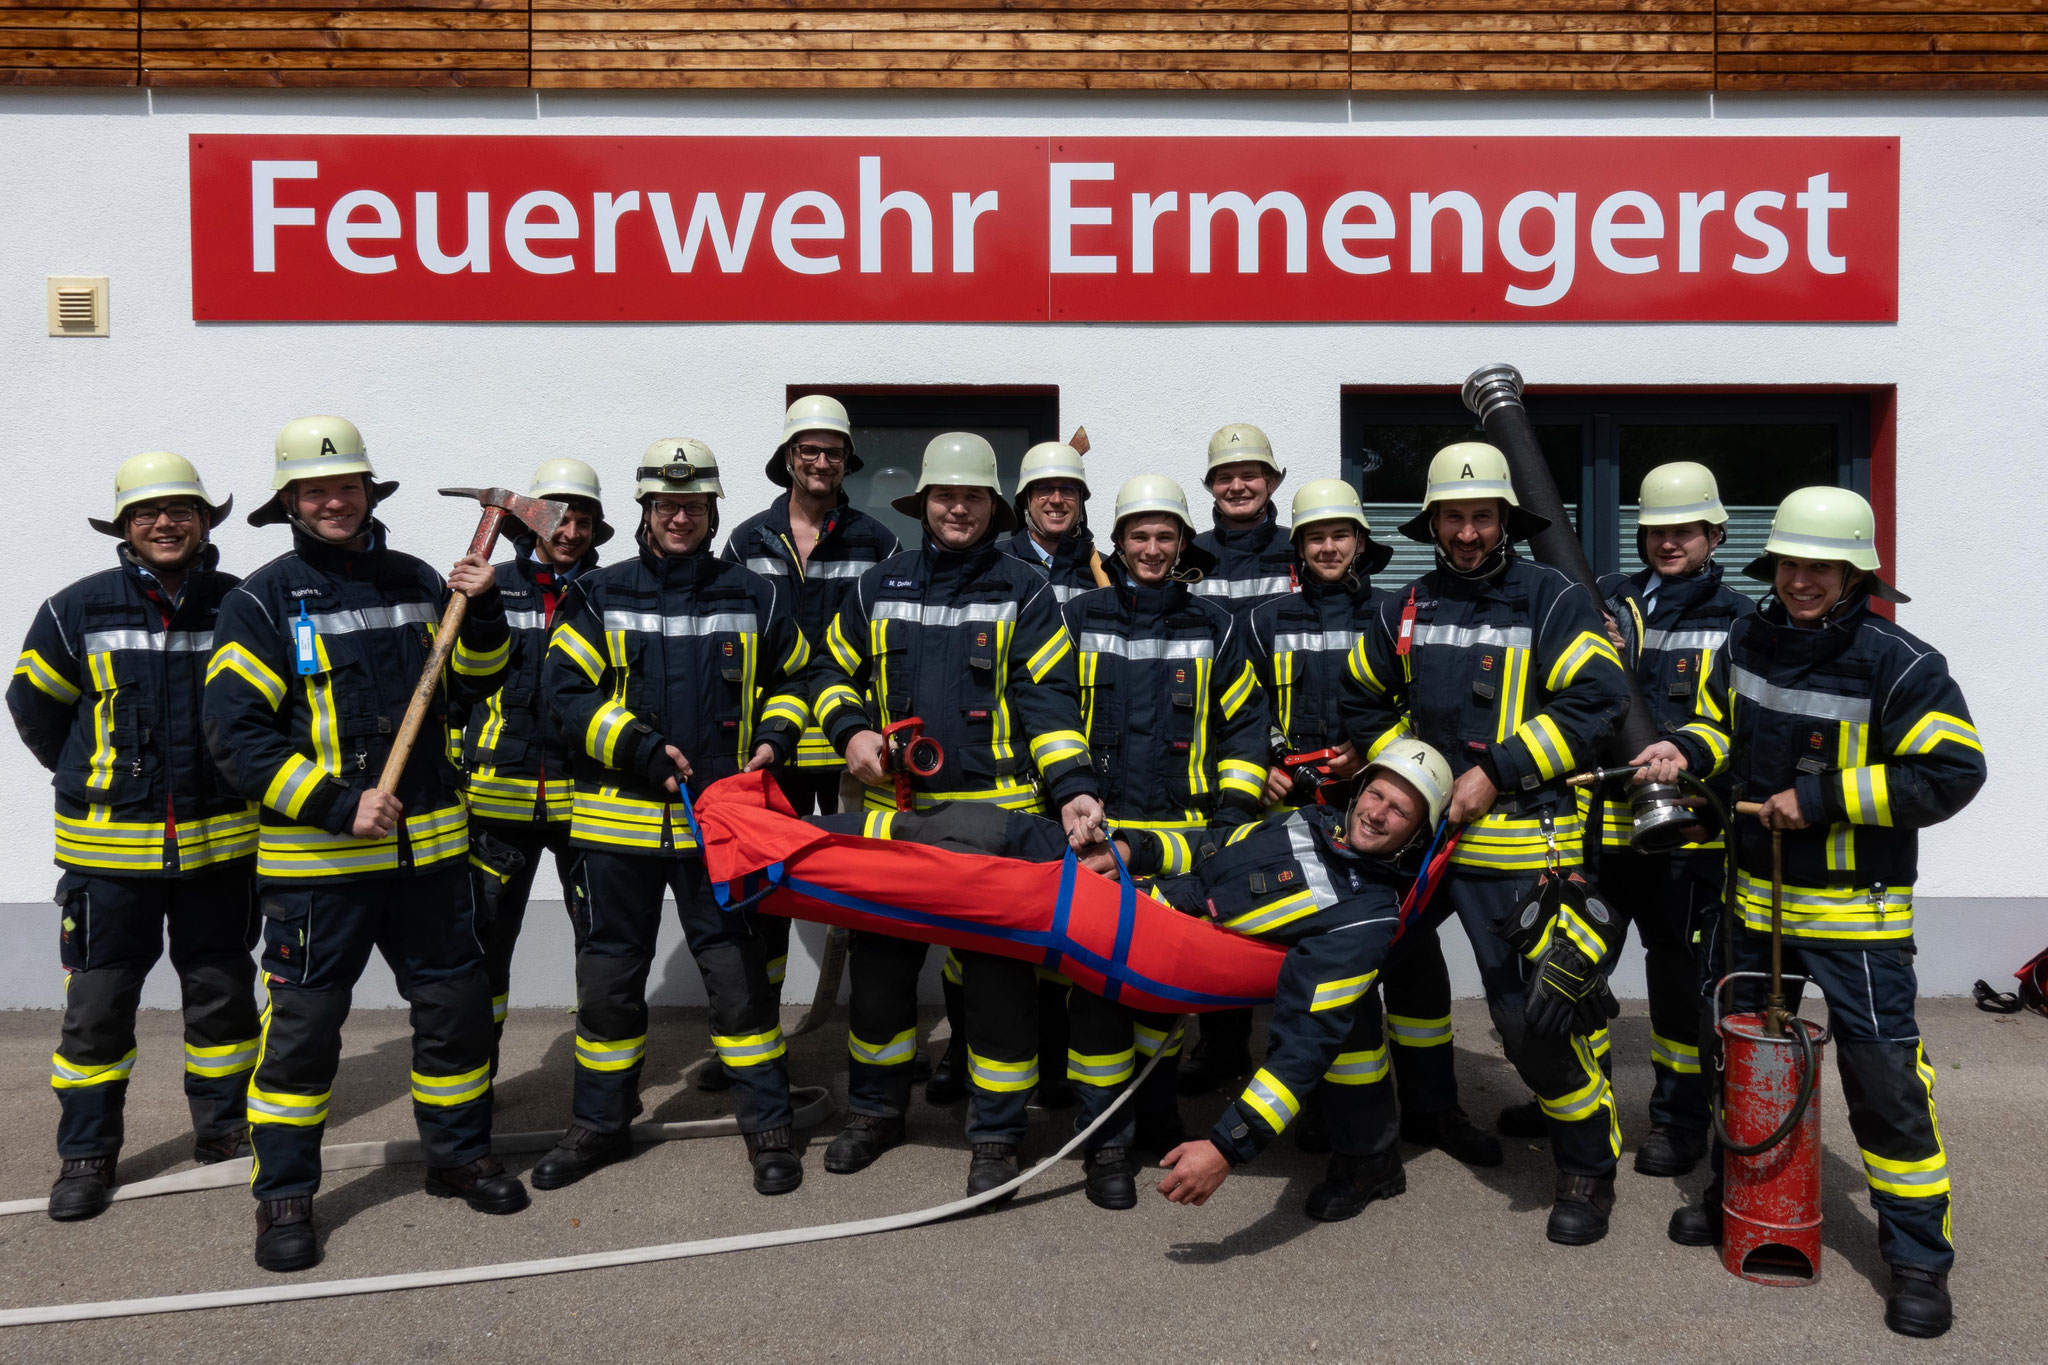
(1310, 770)
(911, 753)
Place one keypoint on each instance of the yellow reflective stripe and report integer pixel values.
(1234, 774)
(1866, 795)
(798, 658)
(1102, 1068)
(1704, 701)
(621, 1055)
(233, 658)
(749, 1049)
(294, 1111)
(1845, 912)
(1514, 690)
(986, 1073)
(1175, 856)
(1359, 666)
(843, 652)
(898, 1051)
(303, 851)
(832, 700)
(1057, 646)
(1358, 1068)
(296, 780)
(1269, 1098)
(480, 663)
(1583, 1102)
(878, 650)
(1921, 1179)
(1148, 1040)
(1546, 746)
(950, 968)
(1330, 995)
(69, 1075)
(1058, 746)
(1673, 1055)
(1589, 646)
(1239, 692)
(45, 678)
(1399, 729)
(1410, 1031)
(1272, 916)
(323, 729)
(578, 651)
(878, 824)
(601, 735)
(1715, 740)
(101, 667)
(450, 1090)
(782, 706)
(999, 715)
(499, 1008)
(1241, 832)
(1935, 727)
(1603, 1042)
(750, 668)
(1008, 794)
(1510, 844)
(224, 1060)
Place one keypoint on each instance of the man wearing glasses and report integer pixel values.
(107, 696)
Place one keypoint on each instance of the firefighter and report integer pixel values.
(1254, 563)
(514, 756)
(1504, 665)
(814, 543)
(106, 695)
(316, 657)
(1853, 736)
(1671, 617)
(1299, 644)
(658, 665)
(1176, 724)
(1329, 885)
(968, 639)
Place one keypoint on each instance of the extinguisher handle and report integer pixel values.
(1819, 1032)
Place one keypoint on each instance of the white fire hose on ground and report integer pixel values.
(816, 1107)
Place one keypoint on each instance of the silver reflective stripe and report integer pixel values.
(1101, 642)
(1799, 702)
(170, 641)
(1884, 1174)
(1691, 511)
(1674, 640)
(1829, 542)
(350, 620)
(526, 620)
(1243, 587)
(1465, 637)
(837, 568)
(1333, 641)
(773, 568)
(1458, 489)
(1301, 838)
(449, 1089)
(1064, 594)
(652, 623)
(945, 616)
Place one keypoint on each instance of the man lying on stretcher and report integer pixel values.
(1327, 884)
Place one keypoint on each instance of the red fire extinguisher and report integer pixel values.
(1767, 1117)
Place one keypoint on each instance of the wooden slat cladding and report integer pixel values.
(361, 43)
(1532, 45)
(78, 42)
(1883, 44)
(942, 44)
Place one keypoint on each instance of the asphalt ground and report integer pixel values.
(1456, 1269)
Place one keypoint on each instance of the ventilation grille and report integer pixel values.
(78, 305)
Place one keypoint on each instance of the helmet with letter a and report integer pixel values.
(318, 448)
(1467, 470)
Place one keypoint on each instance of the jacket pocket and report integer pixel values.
(74, 921)
(288, 934)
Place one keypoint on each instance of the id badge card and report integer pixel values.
(305, 644)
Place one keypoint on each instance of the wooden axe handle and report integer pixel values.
(444, 644)
(1749, 807)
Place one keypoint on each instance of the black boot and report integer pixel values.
(1209, 1068)
(776, 1168)
(1698, 1225)
(580, 1151)
(1352, 1182)
(713, 1077)
(1112, 1178)
(1670, 1151)
(85, 1186)
(213, 1151)
(994, 1163)
(1450, 1131)
(1918, 1304)
(948, 1083)
(483, 1184)
(864, 1138)
(1579, 1216)
(284, 1235)
(1523, 1120)
(920, 1068)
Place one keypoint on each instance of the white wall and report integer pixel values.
(95, 183)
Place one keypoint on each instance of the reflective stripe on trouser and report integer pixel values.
(112, 932)
(317, 938)
(1001, 996)
(1666, 897)
(621, 896)
(881, 1035)
(1106, 1045)
(1563, 1073)
(1416, 985)
(1887, 1081)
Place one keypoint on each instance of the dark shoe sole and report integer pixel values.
(1114, 1201)
(79, 1213)
(286, 1265)
(1575, 1237)
(1920, 1328)
(506, 1203)
(849, 1165)
(782, 1186)
(556, 1182)
(1337, 1213)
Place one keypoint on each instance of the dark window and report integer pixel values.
(1760, 447)
(892, 427)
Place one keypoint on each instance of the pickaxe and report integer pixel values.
(541, 516)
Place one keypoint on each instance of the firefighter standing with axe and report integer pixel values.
(310, 696)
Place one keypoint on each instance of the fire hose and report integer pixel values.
(293, 1292)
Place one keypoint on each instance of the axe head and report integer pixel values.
(542, 516)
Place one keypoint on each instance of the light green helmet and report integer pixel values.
(675, 465)
(1052, 460)
(158, 474)
(1464, 470)
(1825, 522)
(1421, 767)
(1153, 493)
(1336, 500)
(571, 480)
(1237, 442)
(958, 459)
(812, 412)
(318, 448)
(1676, 493)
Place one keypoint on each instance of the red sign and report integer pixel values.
(1134, 229)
